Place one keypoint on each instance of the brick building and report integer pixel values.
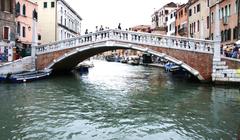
(181, 28)
(7, 29)
(228, 18)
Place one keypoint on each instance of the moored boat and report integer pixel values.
(25, 76)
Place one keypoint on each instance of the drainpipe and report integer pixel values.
(217, 36)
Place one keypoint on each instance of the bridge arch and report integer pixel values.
(70, 59)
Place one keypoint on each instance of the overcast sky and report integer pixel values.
(111, 12)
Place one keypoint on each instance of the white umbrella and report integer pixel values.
(238, 42)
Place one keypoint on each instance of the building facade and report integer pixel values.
(142, 28)
(26, 21)
(171, 23)
(57, 20)
(182, 21)
(198, 19)
(228, 18)
(160, 18)
(7, 29)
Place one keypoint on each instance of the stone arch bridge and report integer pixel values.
(200, 57)
(194, 55)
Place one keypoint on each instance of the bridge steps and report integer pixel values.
(221, 73)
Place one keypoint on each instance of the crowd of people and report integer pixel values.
(231, 51)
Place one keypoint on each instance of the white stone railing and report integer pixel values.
(174, 42)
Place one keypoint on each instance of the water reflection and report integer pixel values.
(117, 101)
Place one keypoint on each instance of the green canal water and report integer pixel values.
(118, 102)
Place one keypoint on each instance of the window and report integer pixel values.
(18, 8)
(222, 36)
(190, 28)
(65, 22)
(225, 35)
(208, 3)
(35, 14)
(190, 12)
(45, 5)
(235, 33)
(198, 26)
(236, 6)
(194, 27)
(207, 22)
(166, 12)
(18, 28)
(7, 5)
(23, 31)
(61, 19)
(229, 34)
(212, 19)
(52, 4)
(194, 10)
(24, 10)
(6, 32)
(198, 8)
(39, 37)
(229, 9)
(226, 10)
(220, 14)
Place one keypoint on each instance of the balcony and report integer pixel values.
(160, 28)
(182, 31)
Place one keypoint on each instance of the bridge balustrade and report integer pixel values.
(157, 40)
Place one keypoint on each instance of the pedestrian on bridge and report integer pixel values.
(119, 26)
(86, 32)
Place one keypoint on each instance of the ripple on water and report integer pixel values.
(116, 101)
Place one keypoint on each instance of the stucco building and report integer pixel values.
(57, 20)
(26, 21)
(198, 19)
(7, 29)
(228, 18)
(182, 21)
(171, 23)
(160, 18)
(142, 28)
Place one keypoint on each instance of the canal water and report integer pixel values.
(118, 102)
